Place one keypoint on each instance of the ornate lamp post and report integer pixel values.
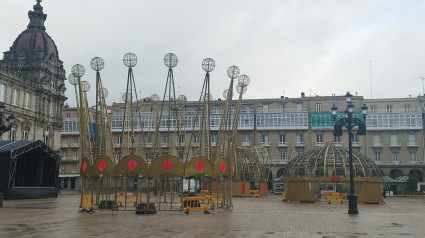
(349, 122)
(9, 120)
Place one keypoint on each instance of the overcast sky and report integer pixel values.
(285, 47)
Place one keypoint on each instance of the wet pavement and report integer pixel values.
(251, 217)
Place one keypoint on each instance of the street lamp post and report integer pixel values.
(9, 120)
(349, 122)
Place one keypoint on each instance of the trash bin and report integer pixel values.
(1, 200)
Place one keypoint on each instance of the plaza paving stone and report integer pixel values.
(251, 217)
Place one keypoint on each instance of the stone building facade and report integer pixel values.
(290, 126)
(32, 84)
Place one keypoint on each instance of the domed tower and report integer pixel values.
(32, 83)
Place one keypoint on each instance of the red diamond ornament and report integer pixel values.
(199, 166)
(84, 166)
(102, 165)
(223, 167)
(131, 165)
(167, 165)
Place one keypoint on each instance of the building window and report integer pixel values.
(68, 116)
(75, 140)
(46, 136)
(51, 108)
(395, 157)
(337, 140)
(117, 158)
(282, 157)
(246, 108)
(318, 107)
(282, 139)
(376, 139)
(213, 138)
(119, 140)
(265, 139)
(389, 108)
(265, 157)
(394, 139)
(265, 108)
(74, 167)
(282, 107)
(2, 92)
(15, 97)
(181, 140)
(53, 85)
(64, 153)
(63, 168)
(406, 107)
(373, 109)
(13, 134)
(299, 107)
(412, 156)
(411, 138)
(319, 139)
(245, 139)
(377, 156)
(300, 139)
(24, 135)
(355, 139)
(27, 100)
(216, 109)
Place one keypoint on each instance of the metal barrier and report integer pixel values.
(254, 193)
(334, 197)
(197, 204)
(217, 198)
(128, 198)
(86, 201)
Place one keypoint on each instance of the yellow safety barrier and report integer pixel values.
(197, 203)
(205, 193)
(132, 198)
(334, 197)
(86, 201)
(283, 196)
(254, 193)
(217, 198)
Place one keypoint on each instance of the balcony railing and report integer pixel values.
(320, 144)
(75, 145)
(246, 143)
(376, 144)
(282, 144)
(395, 144)
(300, 143)
(117, 145)
(69, 159)
(412, 144)
(64, 145)
(355, 144)
(265, 144)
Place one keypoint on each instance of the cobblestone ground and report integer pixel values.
(251, 217)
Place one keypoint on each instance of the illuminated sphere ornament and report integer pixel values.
(243, 80)
(104, 92)
(233, 72)
(170, 60)
(240, 89)
(72, 79)
(97, 64)
(208, 65)
(85, 86)
(126, 97)
(155, 97)
(130, 60)
(78, 70)
(226, 93)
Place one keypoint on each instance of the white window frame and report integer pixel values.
(282, 139)
(282, 107)
(2, 92)
(265, 108)
(27, 100)
(245, 138)
(319, 139)
(373, 109)
(389, 108)
(15, 97)
(213, 138)
(318, 107)
(24, 135)
(282, 157)
(264, 139)
(377, 156)
(395, 157)
(413, 157)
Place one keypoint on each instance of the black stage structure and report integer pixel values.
(28, 169)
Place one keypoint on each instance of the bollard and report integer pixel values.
(1, 200)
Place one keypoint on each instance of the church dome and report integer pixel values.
(34, 43)
(330, 160)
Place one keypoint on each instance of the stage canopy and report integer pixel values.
(28, 169)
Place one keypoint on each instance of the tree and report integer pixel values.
(411, 184)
